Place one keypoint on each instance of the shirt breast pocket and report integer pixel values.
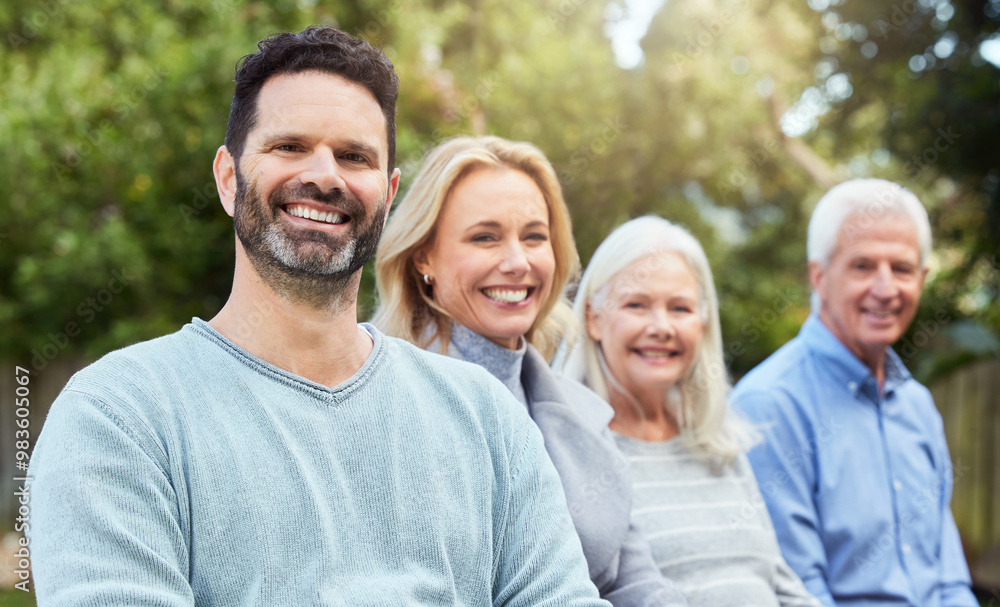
(921, 497)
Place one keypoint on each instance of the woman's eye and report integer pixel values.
(483, 238)
(537, 236)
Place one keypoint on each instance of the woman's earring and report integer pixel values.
(427, 279)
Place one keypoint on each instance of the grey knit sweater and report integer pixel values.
(709, 530)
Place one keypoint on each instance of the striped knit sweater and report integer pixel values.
(709, 530)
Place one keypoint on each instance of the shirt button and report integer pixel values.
(898, 486)
(852, 386)
(906, 548)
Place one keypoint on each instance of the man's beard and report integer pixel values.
(307, 266)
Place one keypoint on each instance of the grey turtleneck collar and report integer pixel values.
(502, 363)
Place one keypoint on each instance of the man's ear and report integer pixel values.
(816, 273)
(592, 323)
(224, 168)
(391, 194)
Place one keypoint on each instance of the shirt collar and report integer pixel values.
(845, 366)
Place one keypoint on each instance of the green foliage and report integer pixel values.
(113, 111)
(17, 598)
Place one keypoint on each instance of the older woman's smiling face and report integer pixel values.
(649, 325)
(491, 260)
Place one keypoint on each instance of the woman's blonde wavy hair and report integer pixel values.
(406, 306)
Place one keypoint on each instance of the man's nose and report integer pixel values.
(884, 282)
(323, 171)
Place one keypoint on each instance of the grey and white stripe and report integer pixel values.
(708, 527)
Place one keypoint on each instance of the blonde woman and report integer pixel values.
(472, 264)
(652, 347)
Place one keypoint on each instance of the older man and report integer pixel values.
(282, 454)
(855, 470)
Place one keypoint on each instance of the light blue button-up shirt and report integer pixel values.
(858, 485)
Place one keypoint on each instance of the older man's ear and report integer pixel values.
(816, 273)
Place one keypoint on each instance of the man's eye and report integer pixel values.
(354, 157)
(287, 147)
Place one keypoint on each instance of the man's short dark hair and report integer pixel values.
(318, 48)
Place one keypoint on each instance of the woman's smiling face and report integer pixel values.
(649, 325)
(491, 261)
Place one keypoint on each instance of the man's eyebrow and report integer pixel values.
(275, 137)
(356, 145)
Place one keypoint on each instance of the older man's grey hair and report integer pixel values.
(871, 200)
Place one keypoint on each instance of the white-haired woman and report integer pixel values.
(652, 346)
(472, 264)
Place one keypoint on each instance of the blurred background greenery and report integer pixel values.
(730, 117)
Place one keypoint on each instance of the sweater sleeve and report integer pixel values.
(639, 582)
(790, 504)
(539, 560)
(105, 526)
(788, 588)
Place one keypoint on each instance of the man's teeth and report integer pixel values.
(506, 295)
(880, 313)
(309, 213)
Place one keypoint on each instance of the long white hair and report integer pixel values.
(698, 402)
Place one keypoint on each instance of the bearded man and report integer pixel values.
(281, 453)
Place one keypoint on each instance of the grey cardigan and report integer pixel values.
(574, 424)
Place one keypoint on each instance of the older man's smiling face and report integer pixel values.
(871, 285)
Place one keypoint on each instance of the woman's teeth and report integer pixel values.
(506, 295)
(655, 353)
(309, 213)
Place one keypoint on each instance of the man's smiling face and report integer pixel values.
(871, 285)
(312, 184)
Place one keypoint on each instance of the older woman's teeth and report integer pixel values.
(506, 295)
(656, 353)
(309, 213)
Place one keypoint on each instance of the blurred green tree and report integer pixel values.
(741, 115)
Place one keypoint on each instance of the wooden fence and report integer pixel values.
(969, 401)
